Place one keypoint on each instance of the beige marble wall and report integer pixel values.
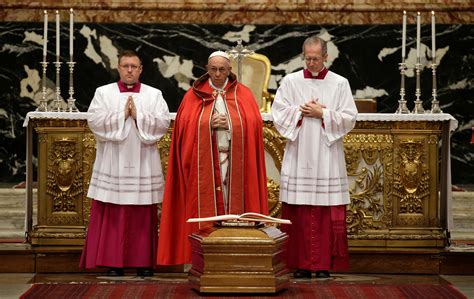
(242, 11)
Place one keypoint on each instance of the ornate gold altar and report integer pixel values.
(395, 181)
(238, 259)
(400, 190)
(65, 152)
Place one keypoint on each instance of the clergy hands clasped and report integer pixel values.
(130, 108)
(219, 121)
(312, 108)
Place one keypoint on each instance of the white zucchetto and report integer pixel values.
(219, 53)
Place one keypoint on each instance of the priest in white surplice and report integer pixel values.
(313, 109)
(127, 119)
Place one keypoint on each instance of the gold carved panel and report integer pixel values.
(62, 182)
(413, 180)
(393, 174)
(88, 164)
(369, 160)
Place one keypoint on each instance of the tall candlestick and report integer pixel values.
(45, 35)
(433, 37)
(71, 32)
(57, 35)
(404, 34)
(418, 29)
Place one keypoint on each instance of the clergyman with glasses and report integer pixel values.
(127, 118)
(314, 109)
(216, 163)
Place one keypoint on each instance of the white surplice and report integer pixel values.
(127, 168)
(314, 169)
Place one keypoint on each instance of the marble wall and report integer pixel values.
(241, 11)
(367, 52)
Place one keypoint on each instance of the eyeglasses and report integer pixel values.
(134, 67)
(313, 59)
(215, 69)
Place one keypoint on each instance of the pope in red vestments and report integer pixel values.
(196, 183)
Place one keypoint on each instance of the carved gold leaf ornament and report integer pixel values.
(273, 143)
(65, 163)
(164, 148)
(370, 154)
(88, 148)
(64, 175)
(274, 204)
(411, 179)
(367, 156)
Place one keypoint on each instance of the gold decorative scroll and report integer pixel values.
(368, 159)
(64, 181)
(88, 147)
(411, 182)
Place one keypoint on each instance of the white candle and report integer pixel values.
(418, 28)
(433, 37)
(71, 32)
(45, 35)
(57, 35)
(404, 34)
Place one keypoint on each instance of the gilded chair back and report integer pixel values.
(256, 75)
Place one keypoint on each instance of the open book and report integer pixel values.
(250, 216)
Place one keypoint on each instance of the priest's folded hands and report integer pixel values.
(219, 121)
(130, 109)
(312, 109)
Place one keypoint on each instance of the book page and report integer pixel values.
(249, 216)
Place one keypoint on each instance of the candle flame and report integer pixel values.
(418, 13)
(57, 11)
(45, 12)
(404, 12)
(71, 10)
(432, 12)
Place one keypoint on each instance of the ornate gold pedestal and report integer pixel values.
(66, 151)
(238, 260)
(394, 173)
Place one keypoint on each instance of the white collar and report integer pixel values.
(216, 88)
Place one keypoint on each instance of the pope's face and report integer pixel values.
(218, 69)
(129, 69)
(313, 57)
